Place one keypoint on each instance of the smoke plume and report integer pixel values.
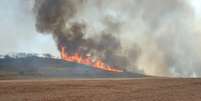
(156, 37)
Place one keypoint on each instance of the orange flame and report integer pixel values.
(87, 61)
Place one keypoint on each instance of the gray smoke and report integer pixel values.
(55, 17)
(156, 37)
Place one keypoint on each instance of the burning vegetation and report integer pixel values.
(134, 35)
(87, 60)
(54, 16)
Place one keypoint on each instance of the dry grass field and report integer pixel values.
(147, 89)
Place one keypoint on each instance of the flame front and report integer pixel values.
(87, 61)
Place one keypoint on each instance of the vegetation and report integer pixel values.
(22, 64)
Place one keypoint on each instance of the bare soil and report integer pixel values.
(147, 89)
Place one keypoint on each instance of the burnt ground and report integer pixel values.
(147, 89)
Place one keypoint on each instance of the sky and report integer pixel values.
(196, 4)
(17, 30)
(18, 33)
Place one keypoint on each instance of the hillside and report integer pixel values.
(34, 66)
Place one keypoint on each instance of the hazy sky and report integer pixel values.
(17, 28)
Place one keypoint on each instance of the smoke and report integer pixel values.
(156, 37)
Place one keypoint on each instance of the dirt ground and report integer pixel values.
(101, 90)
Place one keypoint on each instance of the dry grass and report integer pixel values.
(101, 90)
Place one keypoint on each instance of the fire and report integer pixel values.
(87, 61)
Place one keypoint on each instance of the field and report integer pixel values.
(147, 89)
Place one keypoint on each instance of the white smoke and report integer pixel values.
(158, 37)
(165, 31)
